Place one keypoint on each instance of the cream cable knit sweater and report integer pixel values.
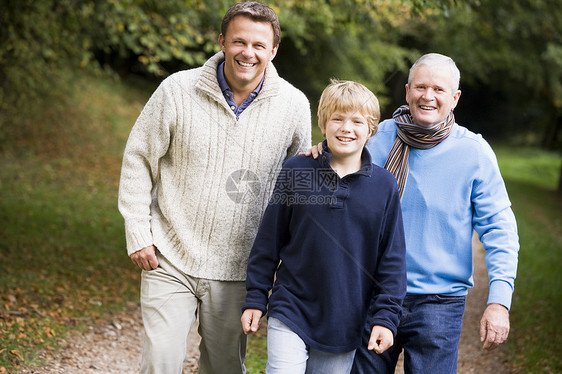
(195, 179)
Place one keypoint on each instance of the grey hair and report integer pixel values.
(436, 59)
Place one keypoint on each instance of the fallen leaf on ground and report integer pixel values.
(17, 354)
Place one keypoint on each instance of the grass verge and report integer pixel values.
(532, 176)
(256, 357)
(63, 263)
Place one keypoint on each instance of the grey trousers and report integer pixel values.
(171, 301)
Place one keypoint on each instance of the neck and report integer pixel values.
(346, 165)
(239, 96)
(241, 93)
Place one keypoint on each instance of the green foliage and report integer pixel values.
(42, 41)
(37, 45)
(349, 39)
(345, 39)
(514, 59)
(156, 31)
(530, 166)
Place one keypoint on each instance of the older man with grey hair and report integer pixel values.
(450, 186)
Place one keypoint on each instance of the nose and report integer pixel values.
(429, 94)
(248, 51)
(346, 126)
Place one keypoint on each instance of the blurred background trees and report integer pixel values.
(509, 52)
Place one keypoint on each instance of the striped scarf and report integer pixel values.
(409, 135)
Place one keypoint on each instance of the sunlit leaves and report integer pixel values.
(41, 39)
(366, 40)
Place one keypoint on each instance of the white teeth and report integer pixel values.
(245, 64)
(426, 107)
(344, 139)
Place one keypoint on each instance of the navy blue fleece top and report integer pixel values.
(337, 246)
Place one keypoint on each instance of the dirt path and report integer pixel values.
(111, 348)
(471, 357)
(115, 347)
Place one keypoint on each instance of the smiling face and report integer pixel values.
(248, 48)
(430, 95)
(346, 134)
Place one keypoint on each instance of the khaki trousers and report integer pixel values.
(171, 301)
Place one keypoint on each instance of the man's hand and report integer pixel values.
(145, 258)
(315, 151)
(251, 320)
(494, 326)
(381, 339)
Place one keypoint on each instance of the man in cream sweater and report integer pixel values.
(198, 170)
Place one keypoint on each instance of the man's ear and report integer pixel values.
(274, 52)
(456, 98)
(221, 41)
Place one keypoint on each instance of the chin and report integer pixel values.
(427, 122)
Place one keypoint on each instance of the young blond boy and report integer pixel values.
(331, 245)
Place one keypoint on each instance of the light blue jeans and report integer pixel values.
(288, 354)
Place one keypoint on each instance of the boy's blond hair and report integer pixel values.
(344, 96)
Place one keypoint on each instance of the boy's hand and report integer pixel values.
(381, 339)
(251, 320)
(314, 151)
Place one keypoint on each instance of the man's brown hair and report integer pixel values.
(257, 12)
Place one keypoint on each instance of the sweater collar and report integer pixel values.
(366, 162)
(209, 83)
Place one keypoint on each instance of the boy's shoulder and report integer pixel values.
(300, 161)
(381, 175)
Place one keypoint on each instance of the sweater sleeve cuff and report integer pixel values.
(257, 306)
(384, 323)
(138, 239)
(500, 293)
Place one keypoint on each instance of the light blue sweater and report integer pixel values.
(452, 189)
